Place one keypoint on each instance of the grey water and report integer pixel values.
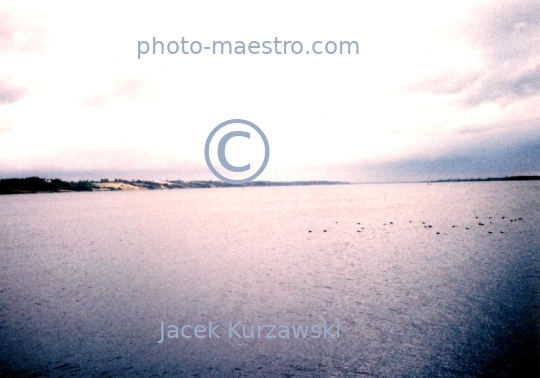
(417, 285)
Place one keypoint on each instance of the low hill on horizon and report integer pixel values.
(41, 185)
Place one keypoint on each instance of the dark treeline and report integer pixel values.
(40, 185)
(508, 178)
(37, 184)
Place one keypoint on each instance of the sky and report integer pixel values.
(438, 90)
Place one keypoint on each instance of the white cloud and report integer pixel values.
(77, 99)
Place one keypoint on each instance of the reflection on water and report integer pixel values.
(418, 286)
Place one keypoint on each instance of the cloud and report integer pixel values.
(507, 31)
(477, 162)
(528, 84)
(7, 31)
(504, 85)
(488, 56)
(20, 34)
(9, 93)
(507, 36)
(450, 82)
(5, 127)
(129, 89)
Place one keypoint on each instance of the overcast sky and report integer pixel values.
(438, 90)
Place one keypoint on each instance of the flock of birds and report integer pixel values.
(438, 232)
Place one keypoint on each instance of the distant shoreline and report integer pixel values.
(40, 185)
(508, 178)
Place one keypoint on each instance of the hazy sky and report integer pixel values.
(438, 90)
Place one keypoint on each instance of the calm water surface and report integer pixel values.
(87, 278)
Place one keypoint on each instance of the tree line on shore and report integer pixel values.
(37, 184)
(41, 185)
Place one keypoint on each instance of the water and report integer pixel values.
(87, 279)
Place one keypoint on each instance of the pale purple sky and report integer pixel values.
(439, 90)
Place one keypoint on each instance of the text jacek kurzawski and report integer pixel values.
(238, 330)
